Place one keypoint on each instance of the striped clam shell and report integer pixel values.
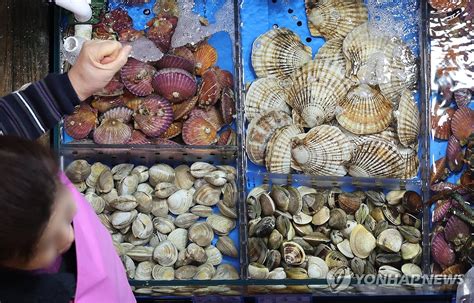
(278, 53)
(260, 130)
(376, 159)
(364, 111)
(408, 120)
(323, 151)
(266, 94)
(334, 18)
(412, 163)
(278, 151)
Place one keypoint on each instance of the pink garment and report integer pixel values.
(101, 276)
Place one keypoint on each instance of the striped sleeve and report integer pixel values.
(31, 112)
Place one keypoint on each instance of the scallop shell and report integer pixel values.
(211, 115)
(408, 120)
(446, 6)
(376, 159)
(411, 162)
(278, 52)
(364, 111)
(161, 30)
(322, 151)
(456, 231)
(198, 131)
(112, 131)
(441, 251)
(260, 131)
(205, 56)
(173, 131)
(278, 151)
(227, 137)
(123, 114)
(335, 18)
(113, 88)
(182, 110)
(81, 122)
(137, 77)
(227, 105)
(210, 90)
(454, 155)
(266, 94)
(103, 104)
(332, 51)
(154, 116)
(441, 121)
(463, 124)
(439, 170)
(316, 89)
(462, 97)
(175, 61)
(175, 85)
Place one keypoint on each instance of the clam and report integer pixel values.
(120, 219)
(257, 271)
(278, 53)
(302, 218)
(260, 130)
(128, 186)
(349, 202)
(163, 273)
(161, 173)
(408, 120)
(214, 255)
(205, 272)
(336, 236)
(362, 214)
(220, 224)
(207, 195)
(105, 182)
(156, 238)
(322, 151)
(395, 197)
(410, 233)
(159, 208)
(226, 272)
(335, 259)
(144, 201)
(216, 178)
(389, 271)
(410, 250)
(362, 242)
(257, 250)
(140, 253)
(144, 270)
(97, 202)
(316, 237)
(278, 151)
(185, 272)
(183, 178)
(364, 111)
(277, 274)
(202, 211)
(296, 273)
(179, 237)
(358, 266)
(265, 94)
(345, 248)
(390, 240)
(264, 227)
(201, 233)
(163, 225)
(164, 190)
(334, 18)
(196, 253)
(322, 216)
(227, 247)
(165, 253)
(337, 219)
(129, 265)
(181, 201)
(142, 227)
(186, 220)
(227, 211)
(78, 171)
(393, 259)
(121, 171)
(392, 214)
(410, 269)
(375, 197)
(317, 268)
(145, 188)
(273, 259)
(174, 84)
(137, 77)
(281, 199)
(201, 169)
(293, 253)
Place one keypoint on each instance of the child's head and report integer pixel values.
(36, 209)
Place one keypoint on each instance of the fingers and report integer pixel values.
(118, 60)
(102, 49)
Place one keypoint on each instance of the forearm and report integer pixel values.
(31, 112)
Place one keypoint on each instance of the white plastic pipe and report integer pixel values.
(80, 8)
(72, 47)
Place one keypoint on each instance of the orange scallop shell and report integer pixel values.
(456, 269)
(211, 115)
(205, 57)
(463, 124)
(446, 5)
(103, 104)
(182, 110)
(210, 90)
(441, 123)
(173, 131)
(198, 131)
(227, 137)
(438, 170)
(81, 122)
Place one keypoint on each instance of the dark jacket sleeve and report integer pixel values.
(31, 112)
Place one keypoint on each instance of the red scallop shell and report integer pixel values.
(463, 124)
(446, 6)
(138, 138)
(456, 231)
(205, 57)
(122, 114)
(185, 53)
(175, 61)
(130, 35)
(211, 115)
(198, 131)
(441, 251)
(182, 110)
(225, 78)
(103, 104)
(82, 121)
(441, 123)
(210, 90)
(103, 32)
(454, 155)
(161, 141)
(161, 30)
(227, 137)
(441, 210)
(114, 88)
(227, 105)
(112, 131)
(438, 170)
(173, 131)
(154, 116)
(118, 20)
(442, 186)
(137, 77)
(462, 97)
(467, 179)
(174, 84)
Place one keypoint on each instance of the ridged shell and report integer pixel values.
(161, 30)
(260, 130)
(210, 89)
(441, 251)
(266, 94)
(122, 114)
(335, 18)
(278, 151)
(441, 210)
(364, 111)
(226, 105)
(112, 131)
(174, 61)
(103, 104)
(323, 151)
(198, 131)
(182, 110)
(81, 122)
(205, 56)
(113, 88)
(137, 77)
(411, 162)
(454, 155)
(408, 120)
(278, 52)
(456, 231)
(154, 116)
(376, 159)
(441, 120)
(316, 89)
(174, 84)
(463, 124)
(332, 51)
(173, 131)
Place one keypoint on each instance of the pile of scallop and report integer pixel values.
(183, 96)
(350, 110)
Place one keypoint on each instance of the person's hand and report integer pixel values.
(96, 65)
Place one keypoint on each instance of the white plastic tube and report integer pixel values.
(72, 47)
(81, 8)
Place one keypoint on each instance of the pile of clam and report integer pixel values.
(302, 232)
(182, 96)
(350, 110)
(164, 221)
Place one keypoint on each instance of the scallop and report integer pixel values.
(411, 162)
(362, 242)
(137, 77)
(322, 151)
(334, 18)
(266, 94)
(278, 151)
(364, 111)
(278, 52)
(376, 159)
(408, 120)
(154, 116)
(112, 131)
(199, 131)
(260, 130)
(332, 51)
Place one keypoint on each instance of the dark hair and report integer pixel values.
(27, 193)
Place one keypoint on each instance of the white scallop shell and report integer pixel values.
(266, 94)
(411, 162)
(408, 120)
(278, 152)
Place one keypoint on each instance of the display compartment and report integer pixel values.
(184, 52)
(451, 123)
(315, 99)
